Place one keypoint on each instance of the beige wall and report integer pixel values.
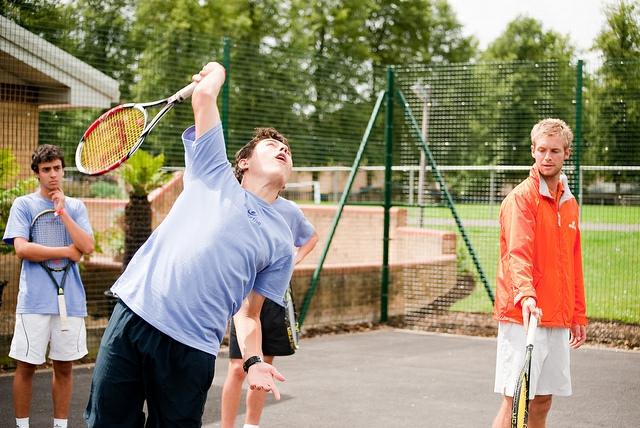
(422, 262)
(19, 132)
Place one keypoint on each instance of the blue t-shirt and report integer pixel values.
(217, 243)
(37, 294)
(300, 227)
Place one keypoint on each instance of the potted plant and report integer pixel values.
(142, 174)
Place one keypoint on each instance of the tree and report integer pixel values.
(417, 31)
(171, 46)
(532, 79)
(48, 19)
(347, 44)
(617, 97)
(102, 31)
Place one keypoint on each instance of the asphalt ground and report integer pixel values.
(395, 378)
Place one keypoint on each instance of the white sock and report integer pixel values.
(59, 423)
(250, 426)
(22, 422)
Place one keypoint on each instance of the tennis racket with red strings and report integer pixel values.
(116, 135)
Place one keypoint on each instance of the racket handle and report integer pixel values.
(182, 94)
(62, 309)
(531, 332)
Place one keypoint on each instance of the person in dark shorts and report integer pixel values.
(275, 339)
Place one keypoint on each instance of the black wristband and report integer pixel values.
(251, 361)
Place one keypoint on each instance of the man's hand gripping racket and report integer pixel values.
(520, 408)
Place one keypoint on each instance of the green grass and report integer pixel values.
(589, 213)
(610, 260)
(612, 276)
(610, 214)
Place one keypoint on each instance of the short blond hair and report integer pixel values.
(552, 127)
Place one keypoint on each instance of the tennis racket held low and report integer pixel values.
(293, 332)
(520, 407)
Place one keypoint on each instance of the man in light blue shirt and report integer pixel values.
(221, 242)
(37, 314)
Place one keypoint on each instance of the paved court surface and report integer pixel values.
(395, 378)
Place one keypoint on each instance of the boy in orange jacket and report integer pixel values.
(540, 274)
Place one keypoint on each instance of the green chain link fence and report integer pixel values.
(474, 118)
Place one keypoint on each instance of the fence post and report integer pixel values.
(577, 185)
(388, 144)
(226, 62)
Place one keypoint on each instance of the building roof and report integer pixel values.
(48, 76)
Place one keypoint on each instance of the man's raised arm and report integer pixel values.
(205, 111)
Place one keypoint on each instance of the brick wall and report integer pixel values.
(422, 262)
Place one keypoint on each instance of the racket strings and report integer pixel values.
(112, 139)
(48, 230)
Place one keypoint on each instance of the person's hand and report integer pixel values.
(529, 307)
(262, 377)
(57, 196)
(211, 77)
(73, 253)
(578, 336)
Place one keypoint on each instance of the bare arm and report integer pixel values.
(306, 248)
(205, 111)
(248, 330)
(39, 253)
(82, 240)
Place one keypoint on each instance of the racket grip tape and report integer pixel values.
(183, 93)
(531, 332)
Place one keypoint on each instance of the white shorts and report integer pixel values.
(33, 332)
(550, 363)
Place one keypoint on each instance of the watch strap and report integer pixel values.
(251, 361)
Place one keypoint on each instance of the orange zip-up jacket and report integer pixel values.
(540, 254)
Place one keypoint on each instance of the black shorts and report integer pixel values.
(136, 364)
(275, 340)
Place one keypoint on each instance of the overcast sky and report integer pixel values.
(582, 20)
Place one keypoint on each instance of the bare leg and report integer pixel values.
(538, 410)
(503, 418)
(231, 393)
(61, 388)
(255, 402)
(22, 388)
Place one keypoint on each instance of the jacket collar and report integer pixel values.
(543, 189)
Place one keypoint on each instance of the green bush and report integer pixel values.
(107, 190)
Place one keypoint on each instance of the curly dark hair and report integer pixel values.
(247, 150)
(45, 153)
